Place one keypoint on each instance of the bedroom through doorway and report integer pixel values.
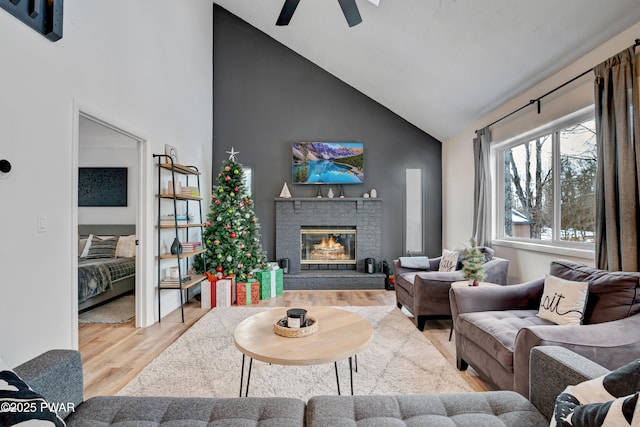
(108, 205)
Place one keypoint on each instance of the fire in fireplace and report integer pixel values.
(330, 245)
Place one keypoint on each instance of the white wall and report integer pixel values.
(117, 151)
(457, 154)
(145, 65)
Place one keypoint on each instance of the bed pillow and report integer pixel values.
(448, 261)
(610, 399)
(82, 243)
(101, 247)
(85, 247)
(563, 301)
(126, 247)
(20, 404)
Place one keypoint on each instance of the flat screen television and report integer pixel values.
(327, 163)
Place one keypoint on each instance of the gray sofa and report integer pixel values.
(496, 327)
(57, 375)
(425, 292)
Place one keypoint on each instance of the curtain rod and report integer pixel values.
(537, 100)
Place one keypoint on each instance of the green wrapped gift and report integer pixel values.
(271, 283)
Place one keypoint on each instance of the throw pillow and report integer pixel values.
(563, 301)
(102, 247)
(126, 247)
(81, 245)
(448, 261)
(417, 262)
(20, 404)
(610, 399)
(87, 245)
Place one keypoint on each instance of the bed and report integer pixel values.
(106, 262)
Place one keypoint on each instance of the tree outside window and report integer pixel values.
(549, 185)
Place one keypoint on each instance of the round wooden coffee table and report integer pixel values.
(341, 335)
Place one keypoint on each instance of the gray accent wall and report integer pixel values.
(266, 97)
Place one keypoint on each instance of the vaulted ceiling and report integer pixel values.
(443, 64)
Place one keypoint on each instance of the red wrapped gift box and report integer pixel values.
(248, 292)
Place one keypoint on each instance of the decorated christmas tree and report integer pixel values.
(231, 234)
(472, 265)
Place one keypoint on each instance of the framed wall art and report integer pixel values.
(102, 187)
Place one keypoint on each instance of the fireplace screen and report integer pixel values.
(327, 246)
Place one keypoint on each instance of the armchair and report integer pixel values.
(425, 292)
(496, 328)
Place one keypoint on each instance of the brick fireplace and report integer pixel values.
(362, 216)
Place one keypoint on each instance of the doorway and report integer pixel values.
(100, 144)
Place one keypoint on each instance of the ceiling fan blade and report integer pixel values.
(351, 12)
(287, 12)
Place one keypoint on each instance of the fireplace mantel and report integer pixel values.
(298, 201)
(365, 214)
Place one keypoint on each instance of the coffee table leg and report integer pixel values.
(335, 365)
(351, 373)
(242, 375)
(246, 393)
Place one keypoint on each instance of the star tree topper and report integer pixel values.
(232, 154)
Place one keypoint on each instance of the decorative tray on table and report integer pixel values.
(279, 329)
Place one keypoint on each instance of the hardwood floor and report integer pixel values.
(113, 354)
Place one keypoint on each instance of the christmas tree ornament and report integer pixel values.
(232, 154)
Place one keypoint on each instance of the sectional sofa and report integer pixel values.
(57, 376)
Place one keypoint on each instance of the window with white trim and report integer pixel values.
(546, 185)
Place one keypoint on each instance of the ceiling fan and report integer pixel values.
(349, 9)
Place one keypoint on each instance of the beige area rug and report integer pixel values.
(120, 310)
(204, 362)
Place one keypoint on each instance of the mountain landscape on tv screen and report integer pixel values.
(328, 163)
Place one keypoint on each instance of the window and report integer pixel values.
(547, 184)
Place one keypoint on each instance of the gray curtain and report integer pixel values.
(482, 188)
(618, 133)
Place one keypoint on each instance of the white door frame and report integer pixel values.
(144, 294)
